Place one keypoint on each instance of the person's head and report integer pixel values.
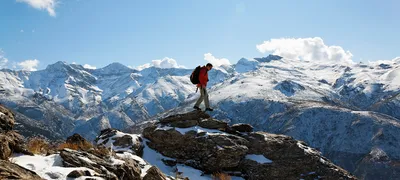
(209, 66)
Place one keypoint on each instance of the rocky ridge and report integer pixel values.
(171, 148)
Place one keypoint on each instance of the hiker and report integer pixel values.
(203, 79)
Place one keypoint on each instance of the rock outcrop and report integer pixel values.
(191, 140)
(6, 119)
(88, 160)
(257, 155)
(11, 142)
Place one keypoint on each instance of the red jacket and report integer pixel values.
(203, 77)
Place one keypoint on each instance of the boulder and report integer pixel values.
(242, 127)
(10, 170)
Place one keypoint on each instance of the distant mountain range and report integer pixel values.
(347, 111)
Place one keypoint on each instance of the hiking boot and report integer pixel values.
(209, 109)
(197, 108)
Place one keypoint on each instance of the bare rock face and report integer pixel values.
(6, 119)
(9, 170)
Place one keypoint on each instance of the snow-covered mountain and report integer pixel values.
(348, 111)
(67, 98)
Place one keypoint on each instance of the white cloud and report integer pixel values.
(87, 66)
(28, 65)
(48, 5)
(310, 49)
(21, 30)
(166, 63)
(3, 60)
(216, 62)
(161, 63)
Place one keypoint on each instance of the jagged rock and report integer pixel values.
(242, 127)
(184, 123)
(78, 173)
(291, 159)
(213, 124)
(6, 119)
(121, 140)
(9, 170)
(129, 170)
(154, 174)
(206, 152)
(12, 142)
(194, 115)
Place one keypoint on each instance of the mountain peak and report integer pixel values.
(116, 65)
(114, 68)
(59, 65)
(269, 58)
(246, 65)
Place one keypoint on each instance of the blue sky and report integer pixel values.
(133, 32)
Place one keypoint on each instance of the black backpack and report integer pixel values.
(194, 78)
